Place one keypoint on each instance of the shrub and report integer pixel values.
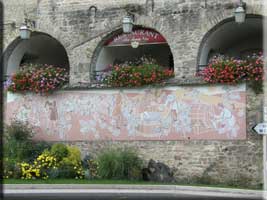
(90, 166)
(46, 165)
(18, 143)
(59, 151)
(73, 157)
(11, 169)
(71, 165)
(132, 164)
(131, 76)
(17, 140)
(40, 168)
(38, 148)
(20, 148)
(119, 164)
(37, 78)
(93, 168)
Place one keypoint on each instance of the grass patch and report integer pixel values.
(126, 182)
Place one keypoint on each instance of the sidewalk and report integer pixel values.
(20, 189)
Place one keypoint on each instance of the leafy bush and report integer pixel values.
(20, 148)
(71, 165)
(59, 151)
(40, 168)
(131, 76)
(119, 164)
(73, 156)
(90, 166)
(37, 78)
(11, 169)
(132, 164)
(38, 148)
(17, 141)
(46, 165)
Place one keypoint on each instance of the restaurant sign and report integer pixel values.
(142, 36)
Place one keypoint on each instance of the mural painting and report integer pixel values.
(170, 113)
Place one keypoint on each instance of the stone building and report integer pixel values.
(74, 34)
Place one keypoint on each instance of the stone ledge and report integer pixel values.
(190, 81)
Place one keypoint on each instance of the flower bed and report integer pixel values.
(222, 70)
(232, 71)
(37, 78)
(132, 76)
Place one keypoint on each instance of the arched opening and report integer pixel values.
(231, 39)
(120, 48)
(41, 48)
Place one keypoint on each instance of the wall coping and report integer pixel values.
(171, 82)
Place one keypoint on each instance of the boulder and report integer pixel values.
(158, 172)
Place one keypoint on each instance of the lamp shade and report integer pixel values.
(25, 32)
(127, 24)
(240, 14)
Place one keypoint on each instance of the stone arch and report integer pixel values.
(101, 44)
(41, 48)
(229, 38)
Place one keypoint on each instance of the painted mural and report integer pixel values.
(170, 113)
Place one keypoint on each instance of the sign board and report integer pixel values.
(261, 128)
(142, 36)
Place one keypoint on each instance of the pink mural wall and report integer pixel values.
(170, 113)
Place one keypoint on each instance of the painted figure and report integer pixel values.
(225, 122)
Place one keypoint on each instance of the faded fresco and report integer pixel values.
(171, 113)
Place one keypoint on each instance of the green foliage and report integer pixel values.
(90, 166)
(71, 165)
(93, 168)
(59, 151)
(38, 148)
(20, 148)
(119, 164)
(73, 156)
(17, 140)
(132, 164)
(40, 167)
(18, 143)
(11, 169)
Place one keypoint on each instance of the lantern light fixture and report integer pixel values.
(128, 23)
(26, 29)
(240, 12)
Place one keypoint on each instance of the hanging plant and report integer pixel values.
(232, 71)
(132, 76)
(37, 78)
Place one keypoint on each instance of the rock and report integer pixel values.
(158, 172)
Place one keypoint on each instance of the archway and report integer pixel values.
(41, 48)
(231, 39)
(119, 48)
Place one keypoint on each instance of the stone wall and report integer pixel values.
(235, 163)
(165, 113)
(183, 23)
(219, 161)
